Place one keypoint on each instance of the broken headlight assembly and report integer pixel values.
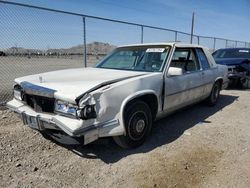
(87, 107)
(85, 110)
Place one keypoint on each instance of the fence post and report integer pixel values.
(226, 43)
(236, 43)
(192, 29)
(142, 34)
(175, 36)
(84, 41)
(198, 40)
(214, 43)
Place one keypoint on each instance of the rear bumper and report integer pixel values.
(90, 130)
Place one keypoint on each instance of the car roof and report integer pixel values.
(177, 44)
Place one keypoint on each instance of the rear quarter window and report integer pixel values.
(202, 59)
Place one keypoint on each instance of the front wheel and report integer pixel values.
(138, 123)
(214, 95)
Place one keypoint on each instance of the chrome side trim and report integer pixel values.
(33, 89)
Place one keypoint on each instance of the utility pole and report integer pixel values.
(192, 29)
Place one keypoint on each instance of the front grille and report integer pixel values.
(39, 103)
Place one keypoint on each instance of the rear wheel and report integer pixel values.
(214, 95)
(138, 124)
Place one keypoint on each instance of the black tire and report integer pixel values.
(45, 135)
(214, 95)
(138, 124)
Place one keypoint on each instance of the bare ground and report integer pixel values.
(197, 147)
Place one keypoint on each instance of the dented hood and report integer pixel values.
(71, 83)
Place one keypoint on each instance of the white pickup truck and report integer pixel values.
(122, 95)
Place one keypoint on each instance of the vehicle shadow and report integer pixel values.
(164, 132)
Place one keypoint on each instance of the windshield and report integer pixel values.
(141, 58)
(232, 53)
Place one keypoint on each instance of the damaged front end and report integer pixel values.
(238, 71)
(40, 110)
(239, 74)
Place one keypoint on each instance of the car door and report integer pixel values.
(207, 72)
(183, 89)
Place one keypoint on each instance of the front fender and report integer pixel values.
(111, 101)
(130, 98)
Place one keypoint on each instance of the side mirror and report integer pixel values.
(175, 71)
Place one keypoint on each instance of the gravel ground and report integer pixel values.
(197, 147)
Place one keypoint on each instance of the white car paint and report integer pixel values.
(79, 80)
(110, 90)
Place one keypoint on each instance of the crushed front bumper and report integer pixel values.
(90, 130)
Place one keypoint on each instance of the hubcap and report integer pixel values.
(140, 125)
(137, 125)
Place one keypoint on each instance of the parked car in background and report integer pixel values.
(238, 62)
(2, 53)
(122, 95)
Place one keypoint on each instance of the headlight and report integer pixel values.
(87, 107)
(87, 112)
(18, 92)
(65, 108)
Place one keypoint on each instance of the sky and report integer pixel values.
(42, 30)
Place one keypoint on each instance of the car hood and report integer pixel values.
(71, 83)
(230, 61)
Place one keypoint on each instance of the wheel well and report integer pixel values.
(150, 100)
(220, 80)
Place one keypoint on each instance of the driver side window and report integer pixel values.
(185, 59)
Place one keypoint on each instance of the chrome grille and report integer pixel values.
(39, 103)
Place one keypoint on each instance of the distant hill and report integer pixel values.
(92, 48)
(20, 50)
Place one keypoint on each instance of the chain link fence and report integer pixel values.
(36, 39)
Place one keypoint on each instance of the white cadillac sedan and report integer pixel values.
(122, 96)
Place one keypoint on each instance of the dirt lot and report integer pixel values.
(197, 147)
